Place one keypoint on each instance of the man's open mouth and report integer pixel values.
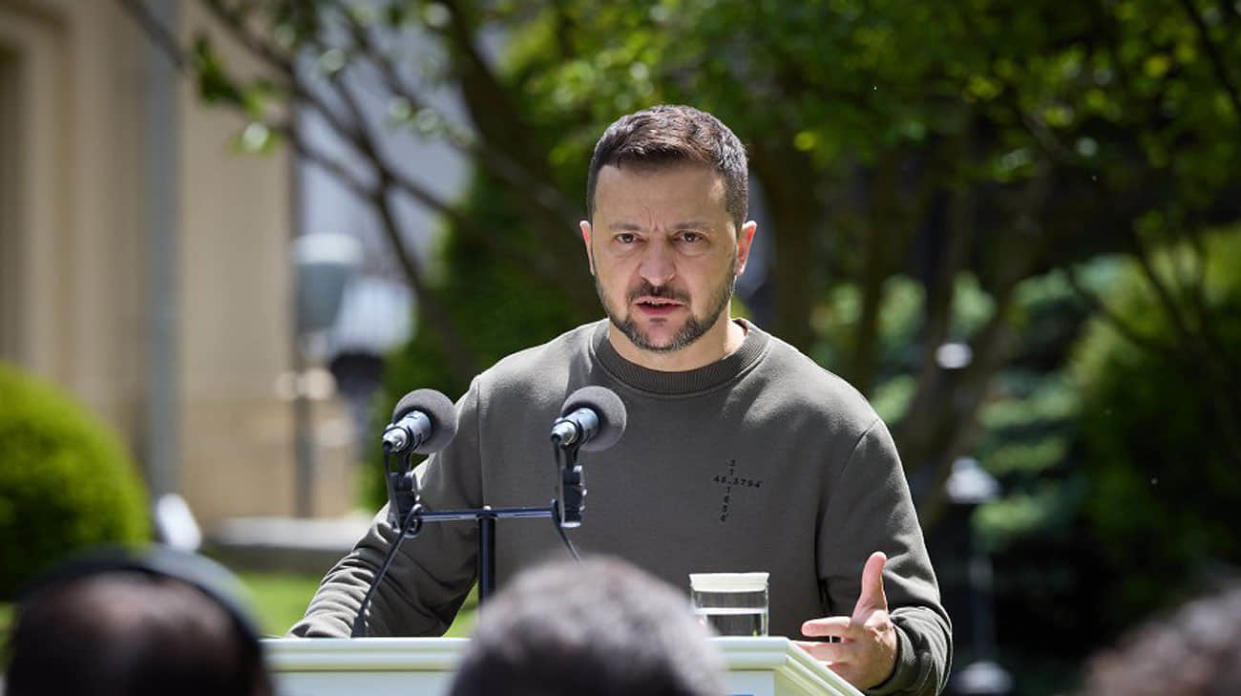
(657, 306)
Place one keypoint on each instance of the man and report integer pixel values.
(601, 627)
(740, 453)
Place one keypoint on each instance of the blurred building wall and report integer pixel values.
(73, 257)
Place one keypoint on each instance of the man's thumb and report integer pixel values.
(872, 595)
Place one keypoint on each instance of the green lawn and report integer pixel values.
(466, 618)
(279, 599)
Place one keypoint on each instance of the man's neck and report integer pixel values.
(721, 340)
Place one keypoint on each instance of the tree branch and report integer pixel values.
(351, 133)
(455, 347)
(156, 32)
(479, 149)
(1161, 290)
(367, 142)
(463, 366)
(1212, 51)
(167, 43)
(236, 24)
(1099, 307)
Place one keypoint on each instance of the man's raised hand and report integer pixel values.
(866, 652)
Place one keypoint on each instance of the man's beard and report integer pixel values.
(694, 327)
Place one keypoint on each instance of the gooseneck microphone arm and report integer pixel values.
(407, 526)
(424, 421)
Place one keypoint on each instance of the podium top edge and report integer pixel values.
(775, 654)
(313, 654)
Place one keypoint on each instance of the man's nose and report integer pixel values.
(658, 266)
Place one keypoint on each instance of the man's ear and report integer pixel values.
(590, 256)
(745, 237)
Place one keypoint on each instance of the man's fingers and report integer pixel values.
(872, 596)
(847, 671)
(839, 626)
(824, 652)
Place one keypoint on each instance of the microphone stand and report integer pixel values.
(410, 515)
(572, 485)
(486, 517)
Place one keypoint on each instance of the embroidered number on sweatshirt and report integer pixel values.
(730, 481)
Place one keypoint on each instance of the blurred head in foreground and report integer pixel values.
(124, 624)
(1194, 652)
(599, 627)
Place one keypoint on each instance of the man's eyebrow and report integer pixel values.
(687, 225)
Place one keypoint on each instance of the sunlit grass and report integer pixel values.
(278, 600)
(466, 618)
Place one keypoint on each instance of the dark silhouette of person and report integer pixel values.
(125, 623)
(1195, 651)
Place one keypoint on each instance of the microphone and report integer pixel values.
(424, 421)
(593, 418)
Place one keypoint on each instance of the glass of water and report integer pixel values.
(731, 604)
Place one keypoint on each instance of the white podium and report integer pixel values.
(424, 667)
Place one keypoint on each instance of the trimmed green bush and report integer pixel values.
(66, 481)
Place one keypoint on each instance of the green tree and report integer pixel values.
(1164, 500)
(994, 141)
(991, 141)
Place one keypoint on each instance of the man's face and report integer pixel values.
(664, 252)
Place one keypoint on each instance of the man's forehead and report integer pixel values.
(639, 168)
(686, 183)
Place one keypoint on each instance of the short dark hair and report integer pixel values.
(673, 134)
(599, 627)
(1194, 652)
(122, 625)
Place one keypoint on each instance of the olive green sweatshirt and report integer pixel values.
(763, 461)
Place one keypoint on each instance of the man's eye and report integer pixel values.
(691, 237)
(625, 238)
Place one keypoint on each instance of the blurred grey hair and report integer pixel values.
(601, 627)
(1195, 651)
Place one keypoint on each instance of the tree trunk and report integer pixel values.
(795, 218)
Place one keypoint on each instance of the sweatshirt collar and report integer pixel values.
(688, 381)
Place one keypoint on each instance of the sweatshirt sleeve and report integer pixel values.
(431, 574)
(868, 509)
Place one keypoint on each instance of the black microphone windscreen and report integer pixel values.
(610, 409)
(438, 408)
